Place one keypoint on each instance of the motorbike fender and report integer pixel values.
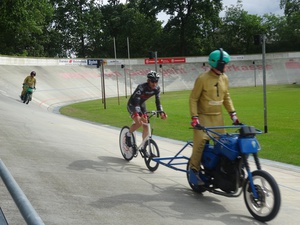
(248, 145)
(30, 90)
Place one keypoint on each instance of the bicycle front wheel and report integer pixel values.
(150, 151)
(127, 152)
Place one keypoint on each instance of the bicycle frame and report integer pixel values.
(149, 136)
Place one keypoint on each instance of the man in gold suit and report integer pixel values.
(29, 81)
(209, 94)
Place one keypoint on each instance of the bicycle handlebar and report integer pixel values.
(154, 112)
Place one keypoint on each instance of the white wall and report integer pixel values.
(62, 81)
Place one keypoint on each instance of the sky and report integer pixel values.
(259, 7)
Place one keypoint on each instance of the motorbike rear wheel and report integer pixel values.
(267, 205)
(195, 188)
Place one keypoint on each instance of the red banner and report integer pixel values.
(165, 60)
(291, 64)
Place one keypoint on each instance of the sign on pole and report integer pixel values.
(165, 60)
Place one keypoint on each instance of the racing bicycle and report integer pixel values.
(148, 149)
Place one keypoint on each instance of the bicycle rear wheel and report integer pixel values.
(127, 152)
(150, 151)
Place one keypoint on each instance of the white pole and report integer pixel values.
(116, 69)
(128, 52)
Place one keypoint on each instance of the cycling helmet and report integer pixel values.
(218, 59)
(153, 76)
(33, 73)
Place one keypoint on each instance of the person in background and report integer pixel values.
(209, 94)
(29, 81)
(137, 108)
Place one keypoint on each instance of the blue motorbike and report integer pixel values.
(225, 170)
(27, 97)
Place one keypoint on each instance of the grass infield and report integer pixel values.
(281, 143)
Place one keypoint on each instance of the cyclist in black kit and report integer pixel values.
(136, 104)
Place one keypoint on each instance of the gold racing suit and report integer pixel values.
(29, 81)
(210, 92)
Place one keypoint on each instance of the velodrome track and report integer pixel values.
(72, 171)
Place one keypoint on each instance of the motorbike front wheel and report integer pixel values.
(267, 204)
(26, 98)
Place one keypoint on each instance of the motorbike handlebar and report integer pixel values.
(250, 129)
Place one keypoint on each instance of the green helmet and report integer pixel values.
(218, 59)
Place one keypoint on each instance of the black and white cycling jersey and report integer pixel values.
(143, 92)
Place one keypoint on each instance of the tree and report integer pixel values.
(85, 28)
(274, 26)
(238, 29)
(150, 8)
(126, 21)
(78, 24)
(291, 34)
(22, 23)
(189, 26)
(290, 6)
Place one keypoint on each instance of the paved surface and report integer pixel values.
(73, 173)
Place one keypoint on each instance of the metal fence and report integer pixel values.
(28, 212)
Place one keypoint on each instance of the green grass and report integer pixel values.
(281, 143)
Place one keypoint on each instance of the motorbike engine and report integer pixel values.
(227, 174)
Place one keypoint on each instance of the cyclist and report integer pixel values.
(210, 92)
(136, 104)
(29, 81)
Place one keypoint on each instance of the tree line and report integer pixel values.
(89, 28)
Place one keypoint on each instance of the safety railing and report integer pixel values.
(28, 212)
